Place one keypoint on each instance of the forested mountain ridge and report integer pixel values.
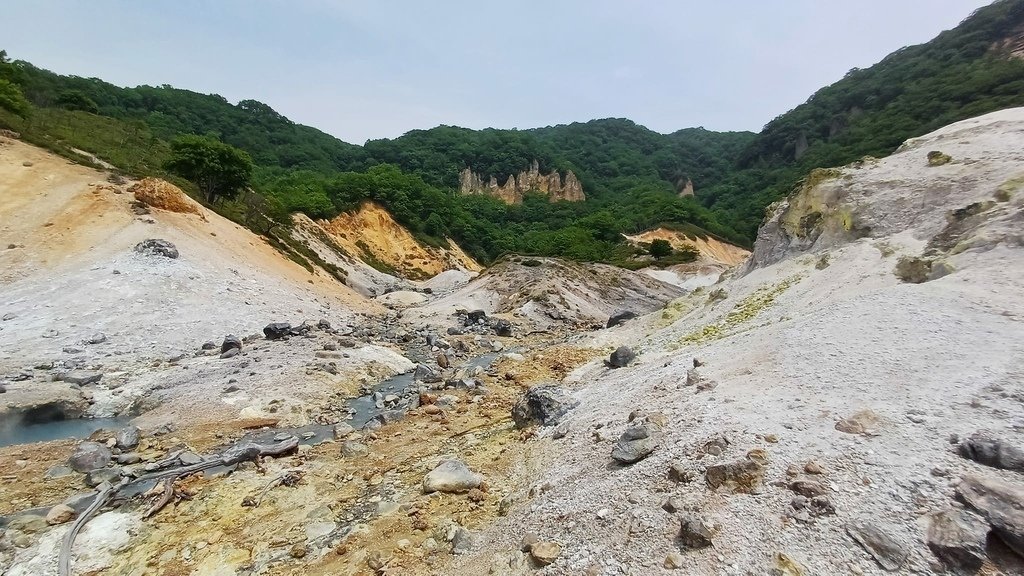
(970, 70)
(632, 175)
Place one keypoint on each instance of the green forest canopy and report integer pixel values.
(631, 174)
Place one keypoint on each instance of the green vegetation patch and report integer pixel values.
(742, 313)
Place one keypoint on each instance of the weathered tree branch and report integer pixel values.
(236, 454)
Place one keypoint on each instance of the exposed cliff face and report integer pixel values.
(372, 235)
(942, 206)
(685, 188)
(516, 186)
(1013, 45)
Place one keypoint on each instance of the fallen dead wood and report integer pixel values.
(236, 454)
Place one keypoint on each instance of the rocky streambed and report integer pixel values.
(412, 463)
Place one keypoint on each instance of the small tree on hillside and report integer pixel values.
(660, 249)
(77, 100)
(218, 169)
(12, 100)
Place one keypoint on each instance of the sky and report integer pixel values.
(378, 68)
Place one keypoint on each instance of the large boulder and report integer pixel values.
(622, 357)
(89, 456)
(1000, 503)
(451, 476)
(545, 404)
(277, 330)
(157, 247)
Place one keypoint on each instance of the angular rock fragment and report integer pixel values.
(89, 456)
(638, 441)
(231, 342)
(957, 537)
(451, 476)
(619, 318)
(622, 357)
(277, 330)
(984, 448)
(545, 552)
(745, 476)
(1001, 503)
(889, 552)
(695, 532)
(502, 328)
(545, 404)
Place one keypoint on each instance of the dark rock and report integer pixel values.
(385, 417)
(453, 331)
(889, 552)
(545, 404)
(984, 448)
(958, 537)
(231, 342)
(694, 532)
(622, 357)
(1001, 503)
(128, 437)
(502, 327)
(230, 353)
(157, 247)
(620, 318)
(638, 441)
(426, 374)
(475, 317)
(3, 389)
(81, 377)
(89, 456)
(323, 324)
(738, 476)
(277, 330)
(210, 345)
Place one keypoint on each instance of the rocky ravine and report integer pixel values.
(848, 401)
(843, 376)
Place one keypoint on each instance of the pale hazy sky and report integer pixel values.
(378, 68)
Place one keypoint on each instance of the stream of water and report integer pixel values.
(363, 409)
(19, 433)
